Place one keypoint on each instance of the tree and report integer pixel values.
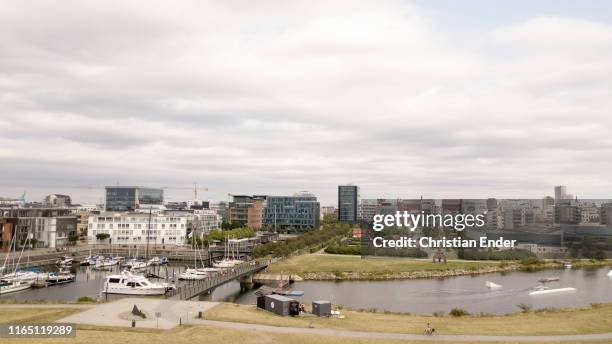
(73, 238)
(102, 236)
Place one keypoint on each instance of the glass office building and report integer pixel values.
(348, 203)
(130, 198)
(300, 211)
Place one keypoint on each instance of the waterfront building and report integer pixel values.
(127, 228)
(132, 198)
(300, 211)
(348, 203)
(255, 214)
(50, 227)
(247, 210)
(206, 220)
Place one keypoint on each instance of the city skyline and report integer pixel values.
(401, 98)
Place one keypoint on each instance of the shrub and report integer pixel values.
(458, 312)
(525, 308)
(85, 299)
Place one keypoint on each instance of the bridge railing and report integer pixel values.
(193, 288)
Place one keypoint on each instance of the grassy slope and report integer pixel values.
(183, 335)
(559, 322)
(339, 263)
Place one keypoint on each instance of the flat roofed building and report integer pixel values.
(300, 211)
(130, 198)
(131, 228)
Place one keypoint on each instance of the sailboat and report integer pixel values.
(196, 273)
(14, 286)
(14, 282)
(229, 259)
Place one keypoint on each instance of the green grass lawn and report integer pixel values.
(555, 322)
(313, 263)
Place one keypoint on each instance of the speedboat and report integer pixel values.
(60, 277)
(567, 265)
(610, 273)
(539, 290)
(158, 261)
(14, 286)
(64, 261)
(131, 284)
(492, 285)
(548, 279)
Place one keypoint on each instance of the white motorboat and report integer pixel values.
(540, 290)
(131, 284)
(11, 287)
(60, 277)
(64, 261)
(492, 285)
(567, 265)
(610, 273)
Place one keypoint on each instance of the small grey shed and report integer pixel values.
(321, 308)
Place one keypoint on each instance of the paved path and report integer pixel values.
(118, 313)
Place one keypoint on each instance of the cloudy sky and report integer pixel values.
(441, 99)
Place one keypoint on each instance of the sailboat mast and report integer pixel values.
(148, 234)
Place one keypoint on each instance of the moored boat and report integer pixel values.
(60, 277)
(131, 284)
(14, 286)
(64, 261)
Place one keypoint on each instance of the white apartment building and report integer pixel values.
(206, 220)
(131, 228)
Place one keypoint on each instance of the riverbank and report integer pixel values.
(568, 321)
(345, 267)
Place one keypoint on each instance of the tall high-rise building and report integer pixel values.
(560, 193)
(130, 198)
(348, 203)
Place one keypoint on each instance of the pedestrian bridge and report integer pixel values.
(191, 289)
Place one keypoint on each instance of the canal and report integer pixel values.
(441, 295)
(414, 296)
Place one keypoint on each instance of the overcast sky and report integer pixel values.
(440, 99)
